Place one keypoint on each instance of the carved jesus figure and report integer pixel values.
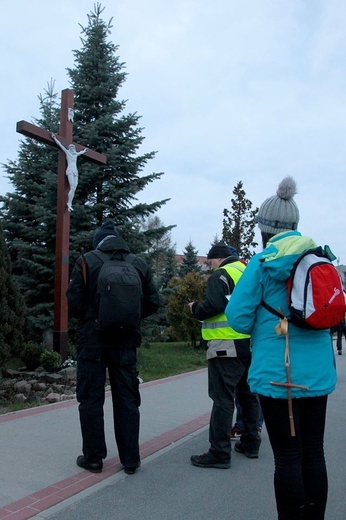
(71, 170)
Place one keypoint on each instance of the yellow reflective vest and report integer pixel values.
(217, 327)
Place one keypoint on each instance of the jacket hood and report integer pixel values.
(282, 251)
(113, 243)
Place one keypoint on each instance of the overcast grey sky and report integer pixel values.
(228, 90)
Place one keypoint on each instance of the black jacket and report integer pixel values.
(82, 298)
(218, 286)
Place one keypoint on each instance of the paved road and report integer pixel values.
(38, 478)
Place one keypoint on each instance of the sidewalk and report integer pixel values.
(39, 446)
(39, 478)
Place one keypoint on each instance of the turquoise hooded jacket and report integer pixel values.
(312, 360)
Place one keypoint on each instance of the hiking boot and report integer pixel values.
(206, 460)
(236, 433)
(94, 467)
(130, 470)
(250, 453)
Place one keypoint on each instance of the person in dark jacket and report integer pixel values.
(116, 352)
(229, 358)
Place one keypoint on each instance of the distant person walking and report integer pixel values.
(300, 478)
(340, 331)
(98, 350)
(229, 358)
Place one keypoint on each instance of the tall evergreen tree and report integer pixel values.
(171, 268)
(29, 219)
(239, 223)
(100, 124)
(190, 261)
(12, 308)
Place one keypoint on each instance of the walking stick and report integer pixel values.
(282, 328)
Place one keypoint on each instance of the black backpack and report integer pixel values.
(119, 293)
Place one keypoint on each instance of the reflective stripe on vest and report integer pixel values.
(217, 327)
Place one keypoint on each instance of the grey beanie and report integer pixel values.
(279, 212)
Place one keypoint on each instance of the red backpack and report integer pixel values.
(316, 299)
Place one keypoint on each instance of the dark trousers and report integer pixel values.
(225, 374)
(339, 333)
(91, 379)
(300, 478)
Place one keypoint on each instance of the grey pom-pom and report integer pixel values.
(287, 188)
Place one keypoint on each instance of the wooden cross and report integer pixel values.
(282, 328)
(63, 215)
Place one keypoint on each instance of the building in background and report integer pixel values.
(342, 271)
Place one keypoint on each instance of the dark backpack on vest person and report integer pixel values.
(315, 294)
(119, 293)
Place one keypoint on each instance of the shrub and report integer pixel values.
(31, 355)
(50, 360)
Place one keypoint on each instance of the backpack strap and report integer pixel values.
(105, 257)
(271, 309)
(84, 267)
(101, 256)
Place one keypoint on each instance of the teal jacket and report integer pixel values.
(312, 360)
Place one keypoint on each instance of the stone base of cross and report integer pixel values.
(60, 332)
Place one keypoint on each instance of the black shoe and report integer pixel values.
(130, 470)
(206, 460)
(339, 352)
(94, 467)
(241, 448)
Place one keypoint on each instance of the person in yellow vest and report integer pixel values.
(229, 357)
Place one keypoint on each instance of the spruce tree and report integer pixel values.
(239, 223)
(101, 124)
(190, 261)
(29, 219)
(12, 308)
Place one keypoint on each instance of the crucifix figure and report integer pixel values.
(72, 170)
(282, 328)
(63, 212)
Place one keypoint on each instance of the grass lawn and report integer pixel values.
(169, 359)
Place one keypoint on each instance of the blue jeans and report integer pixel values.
(91, 379)
(300, 478)
(225, 375)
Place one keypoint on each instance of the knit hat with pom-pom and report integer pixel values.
(279, 212)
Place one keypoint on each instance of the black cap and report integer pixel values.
(219, 250)
(107, 228)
